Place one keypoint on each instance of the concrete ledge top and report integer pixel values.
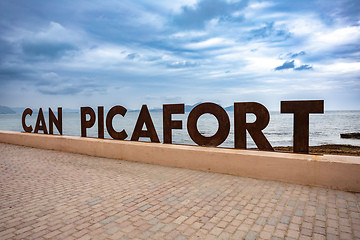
(253, 152)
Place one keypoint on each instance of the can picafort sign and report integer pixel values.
(300, 110)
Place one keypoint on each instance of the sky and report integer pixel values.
(105, 53)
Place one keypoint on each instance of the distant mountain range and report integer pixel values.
(8, 110)
(188, 108)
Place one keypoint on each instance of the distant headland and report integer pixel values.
(6, 110)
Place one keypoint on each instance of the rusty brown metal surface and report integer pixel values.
(150, 132)
(57, 121)
(26, 112)
(168, 124)
(100, 122)
(84, 123)
(40, 123)
(109, 119)
(222, 118)
(301, 111)
(255, 128)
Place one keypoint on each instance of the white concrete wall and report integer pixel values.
(330, 171)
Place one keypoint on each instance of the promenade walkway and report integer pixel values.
(55, 195)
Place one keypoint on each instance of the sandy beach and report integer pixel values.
(47, 194)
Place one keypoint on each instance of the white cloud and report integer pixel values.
(341, 67)
(210, 43)
(340, 36)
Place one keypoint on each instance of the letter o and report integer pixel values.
(109, 118)
(223, 119)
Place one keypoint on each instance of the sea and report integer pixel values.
(323, 128)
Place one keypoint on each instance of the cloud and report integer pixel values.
(183, 64)
(63, 90)
(210, 43)
(51, 83)
(291, 65)
(303, 67)
(6, 49)
(195, 17)
(286, 65)
(296, 54)
(54, 42)
(269, 31)
(71, 88)
(46, 48)
(132, 56)
(12, 73)
(292, 55)
(194, 49)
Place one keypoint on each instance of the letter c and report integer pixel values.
(109, 118)
(26, 112)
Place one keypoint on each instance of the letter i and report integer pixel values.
(100, 122)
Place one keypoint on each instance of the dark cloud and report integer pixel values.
(346, 10)
(195, 17)
(269, 31)
(132, 56)
(48, 49)
(16, 72)
(294, 55)
(303, 67)
(286, 65)
(291, 65)
(6, 49)
(153, 58)
(329, 12)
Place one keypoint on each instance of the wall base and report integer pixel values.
(330, 171)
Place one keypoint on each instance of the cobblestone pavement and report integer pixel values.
(55, 195)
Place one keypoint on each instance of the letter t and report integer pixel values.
(301, 111)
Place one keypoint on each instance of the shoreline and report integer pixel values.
(332, 149)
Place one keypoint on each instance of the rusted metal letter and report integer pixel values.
(255, 128)
(27, 111)
(53, 120)
(40, 123)
(144, 117)
(168, 124)
(109, 118)
(86, 124)
(100, 122)
(222, 118)
(301, 111)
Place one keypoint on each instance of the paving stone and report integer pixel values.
(261, 221)
(58, 195)
(285, 219)
(95, 201)
(109, 220)
(276, 238)
(145, 207)
(251, 235)
(273, 221)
